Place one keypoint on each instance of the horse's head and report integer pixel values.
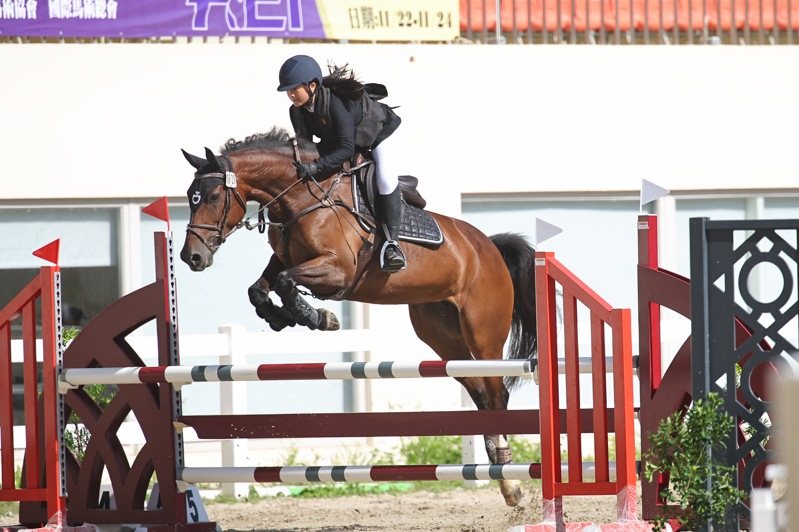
(216, 205)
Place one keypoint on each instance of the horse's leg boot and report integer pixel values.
(278, 318)
(301, 311)
(392, 259)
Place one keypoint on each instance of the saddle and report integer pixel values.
(417, 225)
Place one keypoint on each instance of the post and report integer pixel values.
(786, 439)
(549, 410)
(472, 448)
(233, 400)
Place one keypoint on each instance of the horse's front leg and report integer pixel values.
(321, 277)
(277, 317)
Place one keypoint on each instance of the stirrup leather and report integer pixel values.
(383, 249)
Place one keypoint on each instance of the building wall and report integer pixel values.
(108, 121)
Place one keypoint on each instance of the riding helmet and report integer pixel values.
(298, 70)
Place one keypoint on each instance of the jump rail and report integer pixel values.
(302, 474)
(300, 371)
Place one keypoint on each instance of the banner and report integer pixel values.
(371, 20)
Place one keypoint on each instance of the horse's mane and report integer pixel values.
(276, 139)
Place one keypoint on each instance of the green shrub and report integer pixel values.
(525, 451)
(431, 450)
(679, 448)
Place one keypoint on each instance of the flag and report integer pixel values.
(545, 231)
(650, 192)
(49, 252)
(158, 209)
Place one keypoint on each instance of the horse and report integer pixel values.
(464, 296)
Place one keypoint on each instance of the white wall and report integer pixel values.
(108, 120)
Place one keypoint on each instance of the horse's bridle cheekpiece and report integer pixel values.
(197, 194)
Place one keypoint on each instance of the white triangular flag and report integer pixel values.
(545, 230)
(651, 192)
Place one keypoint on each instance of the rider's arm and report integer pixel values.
(343, 125)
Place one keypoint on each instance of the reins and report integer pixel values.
(230, 181)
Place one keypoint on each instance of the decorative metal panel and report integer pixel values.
(745, 326)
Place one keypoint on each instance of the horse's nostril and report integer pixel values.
(196, 259)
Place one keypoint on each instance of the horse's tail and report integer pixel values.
(519, 256)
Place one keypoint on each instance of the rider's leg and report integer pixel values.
(389, 204)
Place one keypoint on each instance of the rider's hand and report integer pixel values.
(306, 170)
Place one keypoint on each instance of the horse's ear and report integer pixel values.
(211, 157)
(196, 162)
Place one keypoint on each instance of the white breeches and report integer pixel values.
(387, 160)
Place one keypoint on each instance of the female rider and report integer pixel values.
(337, 109)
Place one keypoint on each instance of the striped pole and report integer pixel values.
(375, 473)
(301, 371)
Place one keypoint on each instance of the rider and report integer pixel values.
(337, 109)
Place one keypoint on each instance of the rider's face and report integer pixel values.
(300, 94)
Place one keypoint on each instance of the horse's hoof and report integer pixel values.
(327, 320)
(512, 492)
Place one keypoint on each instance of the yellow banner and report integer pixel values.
(390, 20)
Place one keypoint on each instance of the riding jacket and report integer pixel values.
(342, 126)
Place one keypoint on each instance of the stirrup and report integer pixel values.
(391, 268)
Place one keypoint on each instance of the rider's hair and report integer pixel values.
(342, 82)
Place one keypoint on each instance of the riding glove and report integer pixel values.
(306, 170)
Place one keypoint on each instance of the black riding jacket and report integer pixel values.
(342, 126)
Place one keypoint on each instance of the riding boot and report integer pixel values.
(392, 259)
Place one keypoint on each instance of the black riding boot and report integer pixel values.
(392, 259)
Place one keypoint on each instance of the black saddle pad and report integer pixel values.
(417, 224)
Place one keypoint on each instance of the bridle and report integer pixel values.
(219, 236)
(230, 181)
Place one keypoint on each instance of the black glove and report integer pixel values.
(306, 170)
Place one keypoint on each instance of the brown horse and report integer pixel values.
(464, 296)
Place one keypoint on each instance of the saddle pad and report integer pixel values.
(417, 224)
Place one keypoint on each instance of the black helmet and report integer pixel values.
(298, 70)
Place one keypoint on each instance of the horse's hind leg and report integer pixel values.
(484, 327)
(489, 393)
(439, 326)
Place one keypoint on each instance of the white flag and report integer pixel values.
(545, 230)
(651, 192)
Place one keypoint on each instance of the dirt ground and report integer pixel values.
(462, 510)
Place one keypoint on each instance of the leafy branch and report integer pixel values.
(704, 488)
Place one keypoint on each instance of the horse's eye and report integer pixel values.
(213, 198)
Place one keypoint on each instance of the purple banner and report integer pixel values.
(160, 18)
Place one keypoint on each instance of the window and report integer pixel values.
(88, 255)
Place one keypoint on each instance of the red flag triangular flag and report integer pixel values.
(158, 209)
(49, 252)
